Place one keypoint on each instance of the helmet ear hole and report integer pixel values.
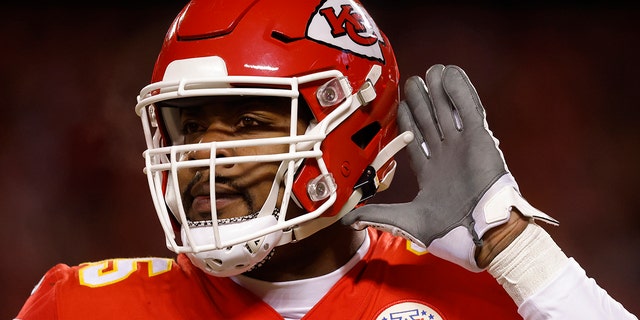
(364, 136)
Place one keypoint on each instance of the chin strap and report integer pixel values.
(310, 227)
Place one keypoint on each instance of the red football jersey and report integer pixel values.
(393, 281)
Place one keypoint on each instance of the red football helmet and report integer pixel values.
(327, 56)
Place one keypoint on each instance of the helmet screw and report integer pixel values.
(345, 169)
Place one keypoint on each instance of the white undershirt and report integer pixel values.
(293, 299)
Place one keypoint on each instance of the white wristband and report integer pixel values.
(529, 263)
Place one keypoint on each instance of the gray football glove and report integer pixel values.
(465, 185)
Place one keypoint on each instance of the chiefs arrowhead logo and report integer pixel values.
(347, 26)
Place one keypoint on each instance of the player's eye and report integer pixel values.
(248, 122)
(191, 127)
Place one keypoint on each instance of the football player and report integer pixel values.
(269, 124)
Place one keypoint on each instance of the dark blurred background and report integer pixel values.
(559, 81)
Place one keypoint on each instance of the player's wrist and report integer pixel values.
(497, 239)
(528, 263)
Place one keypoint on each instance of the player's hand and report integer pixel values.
(465, 186)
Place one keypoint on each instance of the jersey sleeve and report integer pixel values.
(573, 295)
(42, 304)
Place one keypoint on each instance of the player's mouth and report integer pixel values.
(202, 203)
(229, 201)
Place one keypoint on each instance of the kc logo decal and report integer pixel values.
(347, 26)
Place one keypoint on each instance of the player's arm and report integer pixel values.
(469, 209)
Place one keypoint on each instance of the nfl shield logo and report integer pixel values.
(409, 311)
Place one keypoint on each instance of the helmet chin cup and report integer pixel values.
(232, 260)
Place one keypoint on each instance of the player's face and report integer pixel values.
(240, 189)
